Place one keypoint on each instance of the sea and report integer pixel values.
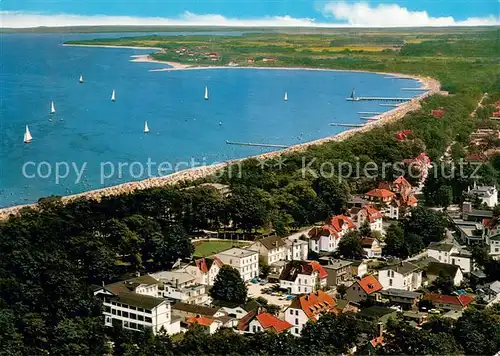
(92, 142)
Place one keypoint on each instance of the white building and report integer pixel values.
(404, 276)
(210, 324)
(204, 269)
(271, 249)
(258, 321)
(451, 254)
(308, 307)
(371, 246)
(326, 238)
(133, 305)
(368, 214)
(487, 194)
(435, 269)
(180, 286)
(493, 243)
(244, 261)
(303, 277)
(296, 249)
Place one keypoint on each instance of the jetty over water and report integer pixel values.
(270, 145)
(345, 125)
(369, 118)
(391, 105)
(369, 113)
(414, 89)
(376, 98)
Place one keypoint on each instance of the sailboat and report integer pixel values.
(113, 96)
(81, 79)
(27, 135)
(286, 96)
(52, 108)
(146, 128)
(206, 93)
(353, 96)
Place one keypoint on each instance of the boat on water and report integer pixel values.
(286, 96)
(146, 128)
(52, 108)
(353, 96)
(27, 135)
(113, 96)
(81, 79)
(206, 93)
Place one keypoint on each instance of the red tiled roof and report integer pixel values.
(293, 268)
(496, 114)
(338, 222)
(372, 213)
(270, 321)
(367, 241)
(402, 180)
(316, 232)
(202, 265)
(380, 193)
(437, 113)
(321, 271)
(379, 340)
(462, 300)
(412, 200)
(370, 284)
(314, 303)
(198, 319)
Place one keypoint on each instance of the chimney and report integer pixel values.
(380, 329)
(177, 283)
(467, 207)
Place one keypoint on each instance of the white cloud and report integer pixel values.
(344, 14)
(361, 14)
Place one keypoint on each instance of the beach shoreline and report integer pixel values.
(191, 174)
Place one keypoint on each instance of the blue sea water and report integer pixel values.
(88, 128)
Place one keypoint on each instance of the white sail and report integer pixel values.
(206, 93)
(27, 135)
(146, 128)
(81, 78)
(286, 96)
(52, 108)
(113, 96)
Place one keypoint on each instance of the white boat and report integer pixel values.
(113, 96)
(27, 135)
(206, 93)
(146, 128)
(81, 78)
(52, 108)
(286, 96)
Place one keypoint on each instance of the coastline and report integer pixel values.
(432, 86)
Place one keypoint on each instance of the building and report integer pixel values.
(345, 306)
(377, 314)
(235, 310)
(327, 237)
(451, 254)
(404, 275)
(303, 277)
(488, 195)
(308, 307)
(449, 302)
(359, 268)
(296, 249)
(493, 244)
(339, 271)
(269, 59)
(371, 246)
(258, 321)
(133, 304)
(435, 269)
(205, 270)
(363, 289)
(368, 214)
(244, 261)
(211, 324)
(180, 286)
(271, 249)
(250, 60)
(406, 299)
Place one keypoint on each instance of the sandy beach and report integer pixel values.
(432, 86)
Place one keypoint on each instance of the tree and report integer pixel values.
(443, 283)
(350, 246)
(395, 242)
(426, 223)
(478, 331)
(444, 196)
(334, 193)
(229, 286)
(342, 290)
(248, 207)
(365, 229)
(172, 245)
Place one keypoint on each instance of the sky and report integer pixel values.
(391, 13)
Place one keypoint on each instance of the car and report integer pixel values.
(434, 311)
(289, 297)
(254, 281)
(282, 297)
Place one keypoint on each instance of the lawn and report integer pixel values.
(207, 248)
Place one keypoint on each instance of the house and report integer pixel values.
(271, 249)
(205, 270)
(235, 310)
(180, 286)
(368, 214)
(402, 135)
(339, 271)
(381, 196)
(296, 249)
(490, 292)
(371, 246)
(406, 299)
(488, 195)
(469, 232)
(359, 268)
(449, 302)
(493, 244)
(250, 60)
(211, 324)
(244, 261)
(363, 289)
(327, 237)
(438, 113)
(377, 314)
(184, 310)
(345, 306)
(404, 275)
(133, 304)
(269, 59)
(303, 277)
(258, 321)
(451, 254)
(435, 269)
(308, 307)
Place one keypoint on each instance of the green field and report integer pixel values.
(207, 248)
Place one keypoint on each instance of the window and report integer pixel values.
(133, 325)
(148, 319)
(125, 314)
(296, 321)
(291, 312)
(254, 329)
(125, 324)
(390, 282)
(113, 311)
(297, 312)
(119, 312)
(300, 281)
(141, 310)
(133, 316)
(140, 317)
(452, 261)
(107, 309)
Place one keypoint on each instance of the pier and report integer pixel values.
(375, 98)
(414, 89)
(346, 125)
(369, 118)
(391, 105)
(369, 113)
(269, 145)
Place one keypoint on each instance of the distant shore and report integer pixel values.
(432, 86)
